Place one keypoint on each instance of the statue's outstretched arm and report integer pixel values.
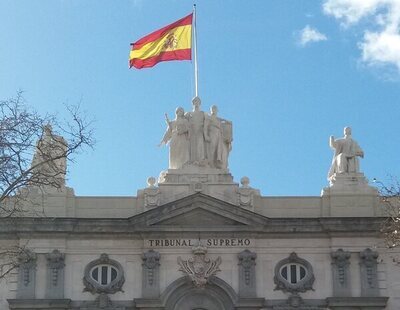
(332, 142)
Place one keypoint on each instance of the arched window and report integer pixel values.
(294, 274)
(103, 275)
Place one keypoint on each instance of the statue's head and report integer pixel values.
(245, 181)
(151, 181)
(214, 109)
(347, 131)
(196, 102)
(47, 129)
(179, 111)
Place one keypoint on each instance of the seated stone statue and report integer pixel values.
(346, 152)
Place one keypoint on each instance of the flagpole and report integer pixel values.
(196, 73)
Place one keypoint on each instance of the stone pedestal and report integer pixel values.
(349, 183)
(48, 201)
(349, 194)
(178, 183)
(194, 174)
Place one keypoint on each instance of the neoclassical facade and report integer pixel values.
(196, 240)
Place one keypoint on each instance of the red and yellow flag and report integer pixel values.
(173, 42)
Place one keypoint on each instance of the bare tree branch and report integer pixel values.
(34, 151)
(390, 196)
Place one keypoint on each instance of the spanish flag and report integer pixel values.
(173, 42)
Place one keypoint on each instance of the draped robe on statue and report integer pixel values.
(345, 158)
(177, 135)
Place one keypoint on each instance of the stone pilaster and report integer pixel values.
(369, 273)
(55, 275)
(247, 274)
(151, 274)
(341, 273)
(26, 275)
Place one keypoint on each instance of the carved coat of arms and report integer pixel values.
(199, 267)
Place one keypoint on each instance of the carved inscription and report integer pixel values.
(211, 242)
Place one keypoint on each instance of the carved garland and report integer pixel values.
(151, 259)
(55, 261)
(247, 259)
(369, 259)
(341, 258)
(27, 261)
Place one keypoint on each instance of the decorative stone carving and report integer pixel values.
(197, 139)
(55, 274)
(219, 142)
(93, 286)
(51, 149)
(247, 274)
(151, 274)
(199, 268)
(103, 301)
(341, 273)
(302, 284)
(369, 273)
(27, 274)
(177, 135)
(197, 134)
(245, 193)
(151, 194)
(345, 159)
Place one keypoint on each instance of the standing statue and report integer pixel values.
(346, 152)
(177, 135)
(219, 140)
(197, 133)
(197, 139)
(50, 158)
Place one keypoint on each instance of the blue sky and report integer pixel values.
(287, 73)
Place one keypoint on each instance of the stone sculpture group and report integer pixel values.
(198, 139)
(204, 140)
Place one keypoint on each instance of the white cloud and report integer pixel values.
(381, 41)
(351, 11)
(309, 34)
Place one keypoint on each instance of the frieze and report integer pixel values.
(211, 242)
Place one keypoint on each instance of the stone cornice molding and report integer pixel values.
(365, 226)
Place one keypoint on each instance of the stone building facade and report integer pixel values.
(195, 239)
